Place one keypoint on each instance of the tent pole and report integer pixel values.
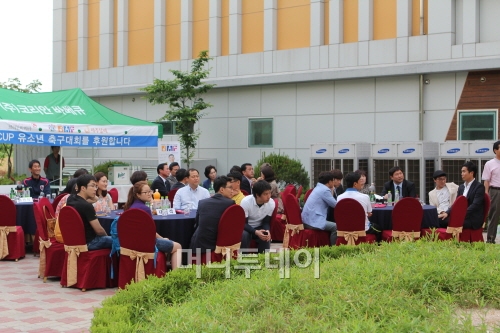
(92, 160)
(60, 168)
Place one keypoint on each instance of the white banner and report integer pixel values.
(169, 151)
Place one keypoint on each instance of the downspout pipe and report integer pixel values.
(421, 108)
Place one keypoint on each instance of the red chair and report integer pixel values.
(137, 235)
(299, 192)
(295, 234)
(245, 193)
(231, 225)
(456, 220)
(406, 220)
(93, 268)
(51, 252)
(113, 193)
(171, 196)
(308, 193)
(56, 200)
(350, 218)
(471, 235)
(11, 236)
(278, 225)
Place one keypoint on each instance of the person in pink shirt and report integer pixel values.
(491, 177)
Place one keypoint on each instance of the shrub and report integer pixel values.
(7, 181)
(287, 170)
(103, 167)
(397, 287)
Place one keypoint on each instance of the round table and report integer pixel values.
(383, 217)
(178, 227)
(25, 217)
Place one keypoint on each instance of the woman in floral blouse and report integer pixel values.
(102, 196)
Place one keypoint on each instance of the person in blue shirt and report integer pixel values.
(36, 183)
(317, 205)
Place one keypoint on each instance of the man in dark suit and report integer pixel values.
(474, 192)
(161, 183)
(248, 177)
(182, 178)
(209, 213)
(398, 183)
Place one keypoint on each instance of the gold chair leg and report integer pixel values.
(44, 279)
(84, 290)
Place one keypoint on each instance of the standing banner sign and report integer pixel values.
(169, 151)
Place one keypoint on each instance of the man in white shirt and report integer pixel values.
(491, 177)
(443, 196)
(352, 191)
(191, 194)
(259, 208)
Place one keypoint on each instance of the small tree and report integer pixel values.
(6, 150)
(183, 96)
(286, 170)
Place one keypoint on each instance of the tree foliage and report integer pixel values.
(6, 150)
(286, 170)
(183, 95)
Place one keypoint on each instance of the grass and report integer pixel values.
(398, 287)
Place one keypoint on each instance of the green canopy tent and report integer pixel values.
(69, 118)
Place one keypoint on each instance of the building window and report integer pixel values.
(477, 125)
(260, 132)
(169, 127)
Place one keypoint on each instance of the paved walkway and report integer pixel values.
(29, 305)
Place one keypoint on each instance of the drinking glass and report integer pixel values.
(42, 194)
(187, 210)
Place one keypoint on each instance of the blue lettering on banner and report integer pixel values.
(75, 140)
(343, 151)
(408, 151)
(453, 150)
(321, 151)
(482, 150)
(383, 151)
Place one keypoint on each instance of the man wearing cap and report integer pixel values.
(443, 196)
(491, 177)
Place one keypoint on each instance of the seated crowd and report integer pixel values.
(88, 195)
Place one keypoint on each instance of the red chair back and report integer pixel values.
(299, 191)
(245, 193)
(292, 209)
(41, 223)
(458, 212)
(349, 215)
(290, 189)
(44, 202)
(113, 193)
(137, 231)
(171, 196)
(486, 206)
(231, 226)
(407, 215)
(8, 211)
(308, 193)
(56, 200)
(275, 211)
(71, 226)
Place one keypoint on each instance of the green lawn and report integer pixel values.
(399, 287)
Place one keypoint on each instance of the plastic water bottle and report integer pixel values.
(396, 196)
(372, 192)
(211, 191)
(389, 198)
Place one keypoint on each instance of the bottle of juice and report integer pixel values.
(156, 195)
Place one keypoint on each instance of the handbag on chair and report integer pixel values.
(51, 222)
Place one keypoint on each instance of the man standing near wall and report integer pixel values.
(491, 177)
